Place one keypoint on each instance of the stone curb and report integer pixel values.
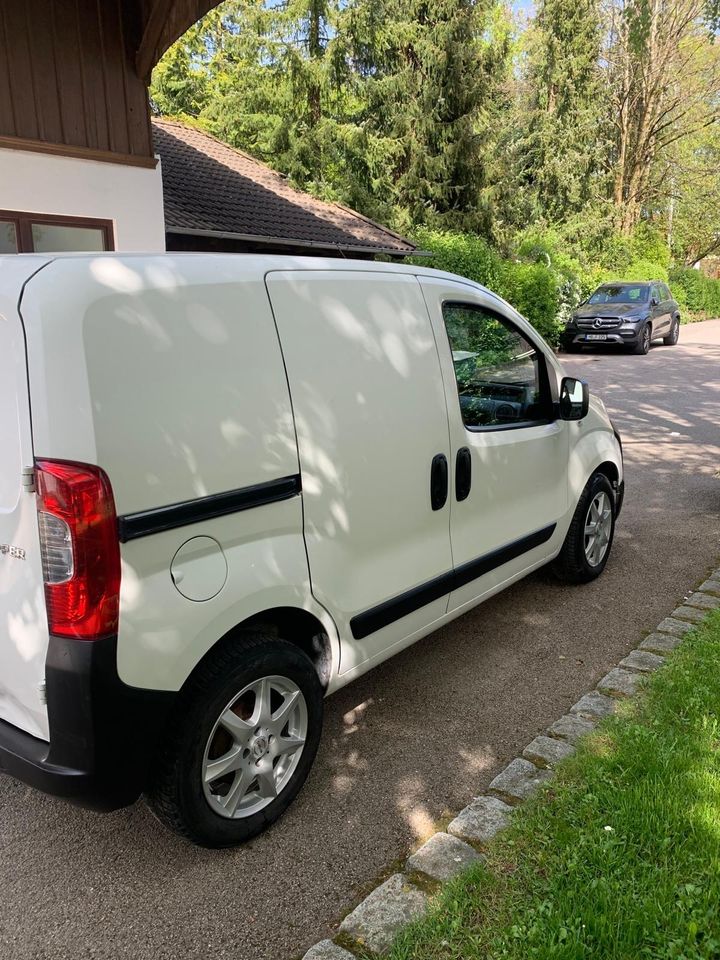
(399, 901)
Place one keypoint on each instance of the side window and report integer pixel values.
(501, 377)
(664, 290)
(656, 292)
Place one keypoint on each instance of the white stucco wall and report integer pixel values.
(130, 196)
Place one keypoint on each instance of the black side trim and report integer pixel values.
(143, 524)
(477, 568)
(363, 624)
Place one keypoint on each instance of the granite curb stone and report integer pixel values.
(710, 586)
(547, 751)
(688, 613)
(642, 660)
(704, 601)
(519, 780)
(383, 913)
(442, 857)
(481, 819)
(620, 683)
(327, 950)
(678, 628)
(660, 643)
(595, 705)
(571, 727)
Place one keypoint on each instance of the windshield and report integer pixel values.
(621, 294)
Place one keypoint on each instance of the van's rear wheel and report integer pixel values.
(240, 744)
(589, 539)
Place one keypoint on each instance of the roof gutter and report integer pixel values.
(286, 242)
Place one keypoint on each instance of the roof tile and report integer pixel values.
(211, 186)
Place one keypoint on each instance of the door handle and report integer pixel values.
(463, 473)
(438, 481)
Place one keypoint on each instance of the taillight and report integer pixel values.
(79, 548)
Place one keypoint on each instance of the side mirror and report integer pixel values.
(574, 399)
(654, 301)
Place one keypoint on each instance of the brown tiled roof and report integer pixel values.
(211, 188)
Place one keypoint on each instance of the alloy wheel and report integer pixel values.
(255, 747)
(598, 528)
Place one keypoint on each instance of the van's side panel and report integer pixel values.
(163, 635)
(23, 621)
(167, 373)
(370, 415)
(164, 371)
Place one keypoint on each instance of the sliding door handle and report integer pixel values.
(463, 473)
(438, 481)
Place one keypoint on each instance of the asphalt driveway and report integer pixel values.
(402, 746)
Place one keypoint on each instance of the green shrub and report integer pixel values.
(535, 292)
(534, 289)
(695, 292)
(463, 253)
(644, 270)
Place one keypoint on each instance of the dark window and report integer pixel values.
(8, 237)
(501, 376)
(41, 233)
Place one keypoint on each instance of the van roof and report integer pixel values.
(265, 263)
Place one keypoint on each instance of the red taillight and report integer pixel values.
(80, 549)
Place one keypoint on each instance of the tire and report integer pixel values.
(672, 338)
(274, 676)
(574, 562)
(642, 347)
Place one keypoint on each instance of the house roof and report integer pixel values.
(213, 190)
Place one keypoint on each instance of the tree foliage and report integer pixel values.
(587, 122)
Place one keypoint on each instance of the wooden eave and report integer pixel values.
(163, 22)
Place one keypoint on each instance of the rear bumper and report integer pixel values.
(103, 734)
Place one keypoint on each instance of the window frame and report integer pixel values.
(543, 375)
(24, 220)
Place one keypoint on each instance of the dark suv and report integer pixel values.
(626, 314)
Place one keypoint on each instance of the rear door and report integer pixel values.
(371, 421)
(23, 622)
(661, 310)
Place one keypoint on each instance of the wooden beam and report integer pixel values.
(80, 153)
(145, 58)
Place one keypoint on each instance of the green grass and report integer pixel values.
(620, 857)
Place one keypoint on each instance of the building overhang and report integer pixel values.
(163, 22)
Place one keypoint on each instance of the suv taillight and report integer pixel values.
(79, 548)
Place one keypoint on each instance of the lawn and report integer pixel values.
(620, 858)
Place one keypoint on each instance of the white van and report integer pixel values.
(231, 484)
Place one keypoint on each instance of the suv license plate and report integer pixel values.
(596, 336)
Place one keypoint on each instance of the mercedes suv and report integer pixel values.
(629, 315)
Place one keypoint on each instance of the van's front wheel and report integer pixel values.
(241, 743)
(589, 540)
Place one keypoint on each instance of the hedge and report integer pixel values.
(695, 292)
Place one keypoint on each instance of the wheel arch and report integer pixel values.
(610, 470)
(298, 627)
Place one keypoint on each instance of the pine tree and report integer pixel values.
(427, 76)
(560, 153)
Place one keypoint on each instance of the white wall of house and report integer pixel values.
(131, 197)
